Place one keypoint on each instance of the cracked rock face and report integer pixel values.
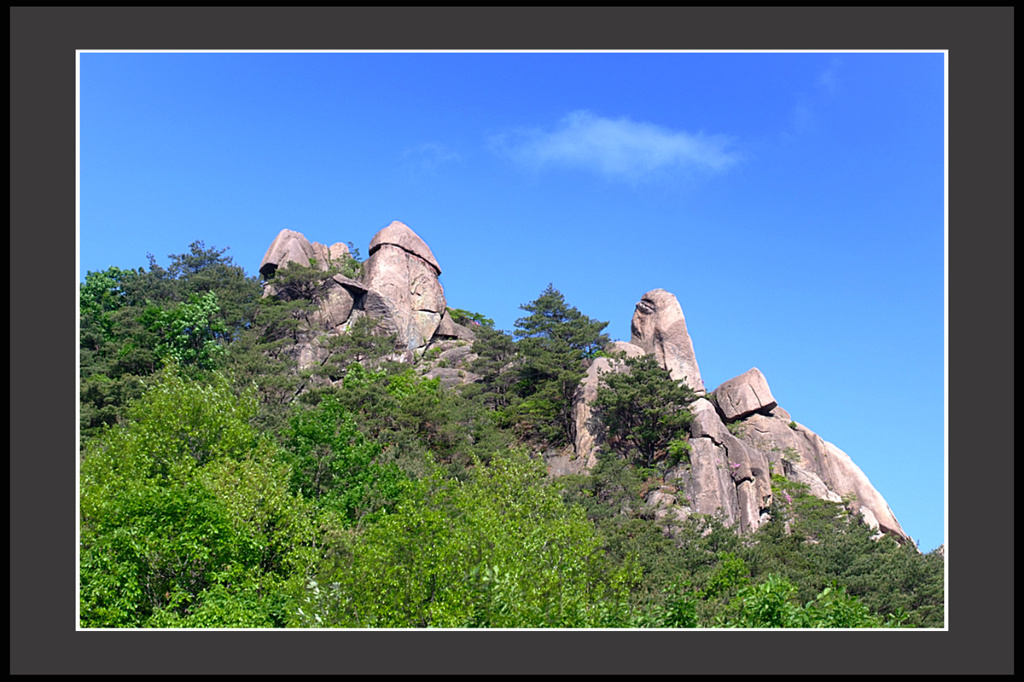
(804, 456)
(660, 328)
(725, 473)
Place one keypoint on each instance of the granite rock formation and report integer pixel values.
(589, 431)
(660, 328)
(744, 395)
(398, 286)
(739, 436)
(403, 273)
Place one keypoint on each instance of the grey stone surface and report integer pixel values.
(660, 328)
(400, 235)
(287, 246)
(744, 395)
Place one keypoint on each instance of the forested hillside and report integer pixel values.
(222, 486)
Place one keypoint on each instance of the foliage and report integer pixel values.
(339, 468)
(117, 349)
(644, 411)
(362, 342)
(222, 488)
(188, 333)
(498, 550)
(555, 340)
(183, 503)
(465, 317)
(772, 604)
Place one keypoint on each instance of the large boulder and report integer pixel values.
(291, 246)
(401, 276)
(398, 234)
(744, 395)
(660, 328)
(288, 246)
(589, 430)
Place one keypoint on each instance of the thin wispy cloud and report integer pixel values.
(805, 111)
(617, 148)
(428, 157)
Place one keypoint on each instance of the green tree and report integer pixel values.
(496, 363)
(364, 342)
(555, 340)
(645, 411)
(339, 468)
(186, 519)
(500, 549)
(188, 332)
(117, 349)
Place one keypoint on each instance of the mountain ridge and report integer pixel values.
(740, 435)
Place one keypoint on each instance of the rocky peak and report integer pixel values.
(291, 246)
(398, 234)
(660, 329)
(398, 286)
(739, 437)
(401, 274)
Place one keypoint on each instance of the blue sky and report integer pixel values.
(793, 202)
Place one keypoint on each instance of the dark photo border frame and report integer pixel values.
(980, 587)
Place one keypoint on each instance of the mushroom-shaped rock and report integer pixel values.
(288, 246)
(400, 235)
(291, 246)
(744, 395)
(660, 328)
(401, 276)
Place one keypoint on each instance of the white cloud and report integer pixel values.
(617, 148)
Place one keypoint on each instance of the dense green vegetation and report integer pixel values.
(222, 488)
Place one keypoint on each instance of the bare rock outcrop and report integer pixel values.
(291, 246)
(449, 329)
(730, 466)
(846, 478)
(744, 395)
(404, 292)
(724, 473)
(660, 328)
(804, 456)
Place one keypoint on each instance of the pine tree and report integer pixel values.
(556, 340)
(644, 410)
